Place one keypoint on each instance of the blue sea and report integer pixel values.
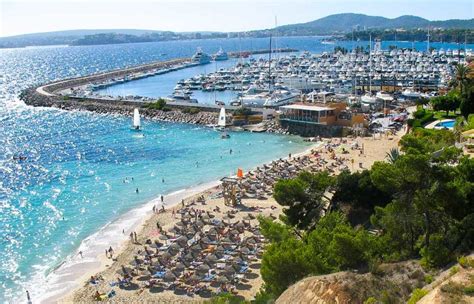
(72, 181)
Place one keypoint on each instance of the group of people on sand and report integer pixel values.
(157, 257)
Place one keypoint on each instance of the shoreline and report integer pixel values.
(374, 150)
(68, 276)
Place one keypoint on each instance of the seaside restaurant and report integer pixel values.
(309, 114)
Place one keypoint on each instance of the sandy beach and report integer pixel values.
(332, 154)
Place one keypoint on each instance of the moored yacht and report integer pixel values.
(220, 55)
(384, 96)
(201, 57)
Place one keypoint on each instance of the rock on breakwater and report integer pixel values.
(33, 98)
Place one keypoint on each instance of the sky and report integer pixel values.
(31, 16)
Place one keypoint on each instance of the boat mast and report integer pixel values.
(270, 65)
(276, 35)
(428, 44)
(370, 63)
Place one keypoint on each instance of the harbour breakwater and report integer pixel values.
(52, 95)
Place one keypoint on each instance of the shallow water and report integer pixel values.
(72, 180)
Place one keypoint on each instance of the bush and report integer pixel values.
(160, 104)
(421, 118)
(225, 298)
(454, 270)
(370, 300)
(466, 262)
(416, 295)
(428, 279)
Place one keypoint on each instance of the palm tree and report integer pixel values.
(462, 71)
(393, 155)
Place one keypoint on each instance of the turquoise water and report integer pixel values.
(71, 182)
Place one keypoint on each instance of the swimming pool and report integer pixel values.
(449, 124)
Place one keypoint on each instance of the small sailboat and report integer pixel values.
(136, 120)
(222, 120)
(221, 124)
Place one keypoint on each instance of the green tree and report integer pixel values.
(462, 72)
(467, 102)
(303, 197)
(357, 195)
(449, 102)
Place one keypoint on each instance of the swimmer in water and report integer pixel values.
(136, 190)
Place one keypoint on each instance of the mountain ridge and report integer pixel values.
(328, 25)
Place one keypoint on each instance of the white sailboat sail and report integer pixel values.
(136, 119)
(221, 122)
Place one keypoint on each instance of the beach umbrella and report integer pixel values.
(222, 280)
(182, 240)
(180, 266)
(211, 258)
(226, 240)
(165, 256)
(229, 270)
(250, 240)
(203, 268)
(194, 278)
(189, 257)
(174, 247)
(237, 261)
(205, 240)
(220, 249)
(169, 276)
(244, 250)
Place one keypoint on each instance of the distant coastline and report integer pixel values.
(346, 26)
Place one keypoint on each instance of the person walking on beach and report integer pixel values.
(135, 237)
(154, 209)
(80, 253)
(162, 198)
(111, 252)
(28, 297)
(106, 253)
(131, 236)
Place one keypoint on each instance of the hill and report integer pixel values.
(333, 24)
(342, 23)
(63, 37)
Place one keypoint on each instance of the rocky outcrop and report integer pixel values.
(391, 282)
